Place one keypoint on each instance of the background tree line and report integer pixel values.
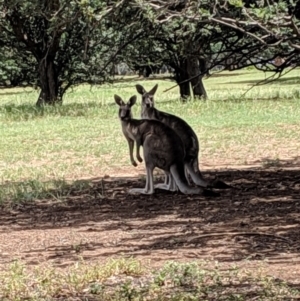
(55, 44)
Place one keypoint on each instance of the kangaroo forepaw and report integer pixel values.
(134, 163)
(140, 159)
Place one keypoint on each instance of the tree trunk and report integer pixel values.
(190, 68)
(48, 81)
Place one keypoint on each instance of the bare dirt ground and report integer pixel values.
(255, 224)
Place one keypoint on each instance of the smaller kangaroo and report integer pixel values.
(162, 148)
(181, 127)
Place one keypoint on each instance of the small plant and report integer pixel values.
(271, 163)
(127, 291)
(96, 288)
(125, 266)
(77, 248)
(180, 274)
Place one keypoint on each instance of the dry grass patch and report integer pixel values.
(127, 279)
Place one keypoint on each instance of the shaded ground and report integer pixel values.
(257, 221)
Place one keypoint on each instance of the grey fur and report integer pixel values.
(181, 127)
(162, 148)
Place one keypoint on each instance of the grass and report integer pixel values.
(82, 139)
(33, 190)
(126, 279)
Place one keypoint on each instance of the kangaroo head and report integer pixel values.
(147, 97)
(125, 108)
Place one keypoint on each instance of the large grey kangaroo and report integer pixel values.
(185, 132)
(162, 147)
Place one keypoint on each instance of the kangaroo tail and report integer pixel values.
(195, 164)
(193, 170)
(177, 171)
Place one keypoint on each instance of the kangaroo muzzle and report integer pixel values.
(149, 104)
(125, 114)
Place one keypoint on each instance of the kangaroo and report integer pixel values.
(162, 148)
(185, 132)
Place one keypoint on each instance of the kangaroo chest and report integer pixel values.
(131, 132)
(149, 113)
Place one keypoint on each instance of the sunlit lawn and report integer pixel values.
(83, 138)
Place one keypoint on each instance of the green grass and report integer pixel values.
(82, 139)
(126, 279)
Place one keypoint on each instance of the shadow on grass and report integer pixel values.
(154, 77)
(30, 111)
(6, 91)
(284, 80)
(225, 74)
(257, 219)
(136, 78)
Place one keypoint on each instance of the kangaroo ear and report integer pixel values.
(119, 101)
(153, 90)
(132, 100)
(140, 89)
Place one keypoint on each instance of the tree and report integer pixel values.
(190, 47)
(172, 42)
(196, 36)
(250, 32)
(66, 43)
(274, 27)
(63, 43)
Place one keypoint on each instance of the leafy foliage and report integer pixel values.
(57, 44)
(230, 34)
(62, 43)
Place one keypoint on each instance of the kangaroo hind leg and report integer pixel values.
(149, 188)
(169, 183)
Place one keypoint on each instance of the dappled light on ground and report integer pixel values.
(256, 220)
